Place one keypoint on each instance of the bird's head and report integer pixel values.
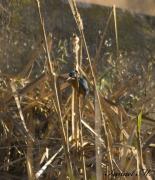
(72, 75)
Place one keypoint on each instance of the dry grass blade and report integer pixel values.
(55, 90)
(124, 88)
(30, 146)
(80, 27)
(139, 121)
(44, 167)
(93, 132)
(27, 133)
(73, 115)
(11, 163)
(98, 148)
(103, 38)
(116, 29)
(148, 141)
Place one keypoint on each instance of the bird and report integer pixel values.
(79, 83)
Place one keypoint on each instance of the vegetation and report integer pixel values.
(48, 131)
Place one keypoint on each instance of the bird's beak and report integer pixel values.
(69, 78)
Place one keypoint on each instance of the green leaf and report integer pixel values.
(139, 122)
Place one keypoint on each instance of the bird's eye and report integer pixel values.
(73, 73)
